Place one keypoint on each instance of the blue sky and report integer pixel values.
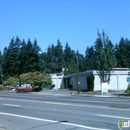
(72, 21)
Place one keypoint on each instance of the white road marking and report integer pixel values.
(69, 104)
(2, 129)
(52, 121)
(13, 105)
(61, 95)
(91, 106)
(119, 117)
(94, 101)
(118, 100)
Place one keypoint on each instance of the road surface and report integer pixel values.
(41, 111)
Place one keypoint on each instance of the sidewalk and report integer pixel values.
(67, 92)
(63, 92)
(111, 93)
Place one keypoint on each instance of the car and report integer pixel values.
(24, 87)
(12, 87)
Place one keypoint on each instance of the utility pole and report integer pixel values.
(78, 83)
(1, 76)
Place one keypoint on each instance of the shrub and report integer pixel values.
(37, 89)
(71, 85)
(90, 82)
(52, 86)
(128, 89)
(1, 88)
(62, 86)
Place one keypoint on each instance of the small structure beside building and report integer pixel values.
(57, 80)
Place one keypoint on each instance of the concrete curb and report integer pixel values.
(72, 93)
(102, 96)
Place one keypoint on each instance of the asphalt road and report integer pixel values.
(59, 111)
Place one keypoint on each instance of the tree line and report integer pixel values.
(22, 57)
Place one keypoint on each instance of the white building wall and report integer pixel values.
(117, 80)
(97, 85)
(54, 81)
(57, 80)
(113, 85)
(122, 81)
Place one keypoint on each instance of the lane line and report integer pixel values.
(94, 101)
(69, 104)
(2, 129)
(13, 105)
(52, 121)
(48, 95)
(76, 100)
(119, 100)
(119, 117)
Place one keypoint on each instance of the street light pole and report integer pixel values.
(78, 83)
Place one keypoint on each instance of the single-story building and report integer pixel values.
(118, 80)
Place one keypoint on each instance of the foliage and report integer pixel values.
(62, 86)
(1, 88)
(36, 78)
(52, 86)
(89, 58)
(129, 72)
(70, 68)
(69, 60)
(105, 59)
(128, 89)
(22, 56)
(11, 81)
(90, 82)
(71, 85)
(37, 88)
(81, 61)
(122, 53)
(1, 57)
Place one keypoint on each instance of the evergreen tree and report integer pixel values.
(53, 57)
(89, 58)
(59, 52)
(68, 54)
(43, 62)
(69, 60)
(31, 59)
(1, 63)
(10, 57)
(81, 60)
(51, 65)
(122, 53)
(22, 57)
(1, 58)
(59, 56)
(127, 41)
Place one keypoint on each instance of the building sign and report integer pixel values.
(104, 88)
(128, 79)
